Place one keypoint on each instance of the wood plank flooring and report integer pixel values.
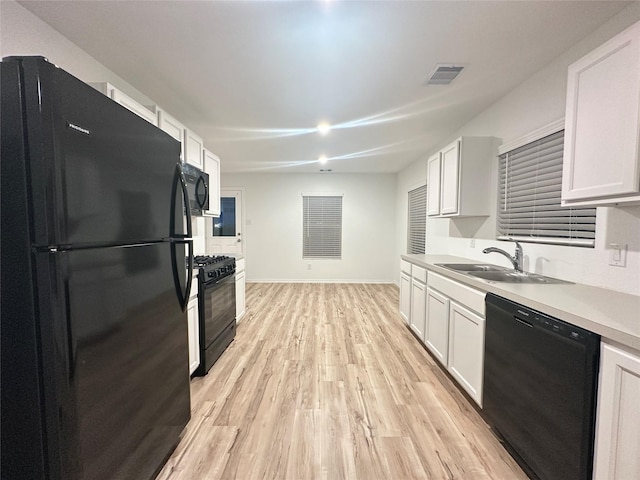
(324, 381)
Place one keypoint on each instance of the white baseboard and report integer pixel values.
(280, 280)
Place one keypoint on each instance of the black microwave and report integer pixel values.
(197, 187)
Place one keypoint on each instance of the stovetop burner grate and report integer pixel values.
(202, 260)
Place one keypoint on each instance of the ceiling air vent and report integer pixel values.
(444, 74)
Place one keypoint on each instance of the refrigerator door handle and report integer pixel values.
(206, 192)
(179, 182)
(176, 265)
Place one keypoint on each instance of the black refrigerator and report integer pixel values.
(96, 270)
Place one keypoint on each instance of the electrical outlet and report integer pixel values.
(308, 266)
(472, 243)
(618, 254)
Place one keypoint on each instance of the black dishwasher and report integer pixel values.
(539, 394)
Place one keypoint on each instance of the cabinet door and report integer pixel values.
(193, 332)
(449, 179)
(173, 127)
(602, 121)
(130, 104)
(437, 329)
(418, 307)
(618, 416)
(433, 185)
(193, 149)
(240, 295)
(212, 167)
(405, 297)
(466, 349)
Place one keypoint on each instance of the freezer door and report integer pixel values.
(126, 360)
(99, 174)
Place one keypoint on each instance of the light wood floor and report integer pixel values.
(324, 381)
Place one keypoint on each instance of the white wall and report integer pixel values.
(22, 33)
(273, 231)
(537, 102)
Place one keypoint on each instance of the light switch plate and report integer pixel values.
(618, 254)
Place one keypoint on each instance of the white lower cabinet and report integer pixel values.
(418, 307)
(448, 317)
(466, 349)
(436, 336)
(240, 289)
(405, 297)
(194, 332)
(617, 454)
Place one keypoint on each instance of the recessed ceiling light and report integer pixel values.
(322, 159)
(323, 128)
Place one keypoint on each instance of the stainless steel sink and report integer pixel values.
(473, 267)
(510, 276)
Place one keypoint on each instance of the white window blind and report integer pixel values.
(322, 227)
(529, 197)
(417, 221)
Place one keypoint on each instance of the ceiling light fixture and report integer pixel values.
(322, 159)
(323, 128)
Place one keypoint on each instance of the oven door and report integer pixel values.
(217, 308)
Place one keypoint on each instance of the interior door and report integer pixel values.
(227, 237)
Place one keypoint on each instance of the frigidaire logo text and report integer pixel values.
(79, 129)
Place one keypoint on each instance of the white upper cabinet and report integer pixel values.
(173, 127)
(459, 178)
(449, 184)
(433, 185)
(193, 149)
(602, 124)
(126, 101)
(212, 167)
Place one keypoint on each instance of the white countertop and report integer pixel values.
(613, 315)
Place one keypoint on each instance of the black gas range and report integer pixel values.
(214, 267)
(216, 306)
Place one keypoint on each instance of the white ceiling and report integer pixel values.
(255, 78)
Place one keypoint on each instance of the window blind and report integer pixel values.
(417, 221)
(322, 227)
(529, 207)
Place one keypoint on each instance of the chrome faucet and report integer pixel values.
(517, 258)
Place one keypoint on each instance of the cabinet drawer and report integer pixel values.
(405, 266)
(419, 273)
(470, 297)
(240, 265)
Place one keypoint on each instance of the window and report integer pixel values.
(529, 210)
(322, 227)
(225, 224)
(417, 221)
